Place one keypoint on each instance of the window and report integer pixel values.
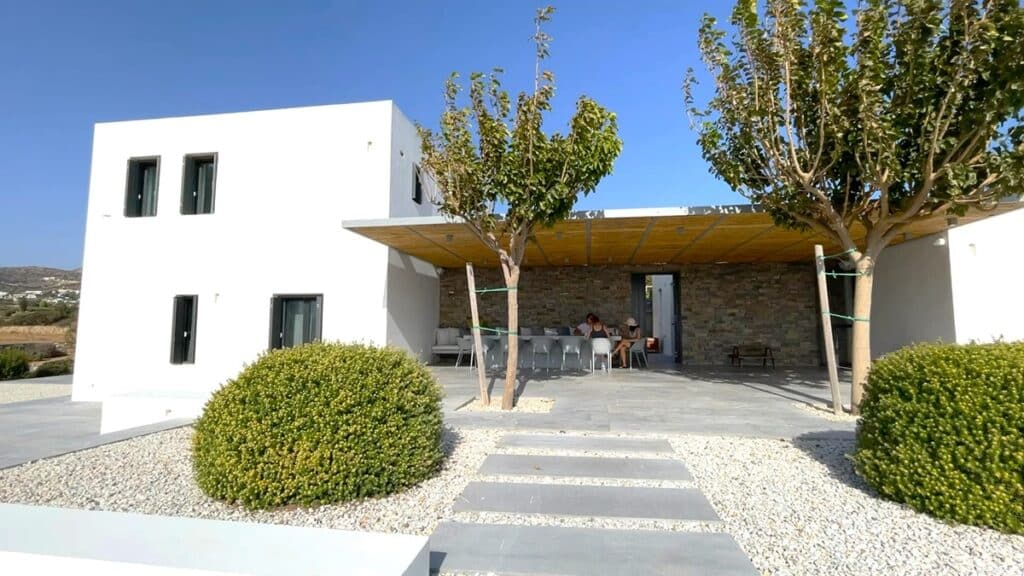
(417, 189)
(197, 184)
(141, 190)
(295, 320)
(183, 334)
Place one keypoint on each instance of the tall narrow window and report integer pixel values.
(197, 184)
(295, 320)
(417, 187)
(183, 331)
(141, 190)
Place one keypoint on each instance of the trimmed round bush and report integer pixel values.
(942, 430)
(318, 424)
(14, 363)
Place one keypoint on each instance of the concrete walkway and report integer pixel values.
(529, 535)
(712, 401)
(45, 428)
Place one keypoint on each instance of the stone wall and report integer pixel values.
(727, 305)
(722, 305)
(556, 296)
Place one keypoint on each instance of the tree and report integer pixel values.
(857, 133)
(492, 154)
(22, 303)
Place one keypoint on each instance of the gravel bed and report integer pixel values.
(583, 481)
(13, 391)
(523, 405)
(153, 475)
(798, 508)
(587, 522)
(823, 411)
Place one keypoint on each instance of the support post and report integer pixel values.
(826, 329)
(478, 347)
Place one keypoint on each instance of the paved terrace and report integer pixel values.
(726, 401)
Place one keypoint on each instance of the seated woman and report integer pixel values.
(632, 335)
(597, 329)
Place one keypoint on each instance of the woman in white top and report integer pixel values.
(585, 328)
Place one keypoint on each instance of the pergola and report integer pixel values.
(643, 237)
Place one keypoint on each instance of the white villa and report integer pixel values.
(211, 239)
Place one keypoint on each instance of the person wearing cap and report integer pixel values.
(633, 334)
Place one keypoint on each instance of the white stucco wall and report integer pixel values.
(986, 278)
(412, 284)
(285, 181)
(912, 297)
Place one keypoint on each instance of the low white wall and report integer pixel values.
(34, 535)
(912, 297)
(985, 259)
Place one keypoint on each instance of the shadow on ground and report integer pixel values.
(834, 450)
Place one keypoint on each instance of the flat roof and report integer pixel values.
(739, 233)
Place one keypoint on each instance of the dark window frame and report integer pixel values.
(417, 184)
(131, 178)
(189, 173)
(276, 340)
(183, 338)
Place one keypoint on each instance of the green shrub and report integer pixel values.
(54, 368)
(35, 317)
(942, 430)
(317, 424)
(13, 363)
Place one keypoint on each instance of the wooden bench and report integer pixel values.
(755, 351)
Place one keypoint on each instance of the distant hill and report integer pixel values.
(23, 278)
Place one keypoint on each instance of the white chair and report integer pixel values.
(640, 351)
(526, 331)
(542, 345)
(601, 347)
(446, 342)
(465, 347)
(572, 345)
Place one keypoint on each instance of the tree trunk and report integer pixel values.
(512, 364)
(861, 330)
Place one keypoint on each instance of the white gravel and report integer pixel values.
(153, 475)
(14, 391)
(523, 405)
(826, 412)
(798, 508)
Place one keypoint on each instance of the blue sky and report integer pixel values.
(69, 64)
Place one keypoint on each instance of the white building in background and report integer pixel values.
(210, 239)
(959, 285)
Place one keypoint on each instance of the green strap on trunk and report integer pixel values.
(496, 330)
(850, 318)
(843, 253)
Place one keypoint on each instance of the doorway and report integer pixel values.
(654, 304)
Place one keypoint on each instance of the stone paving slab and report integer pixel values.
(586, 443)
(585, 467)
(595, 501)
(500, 549)
(38, 429)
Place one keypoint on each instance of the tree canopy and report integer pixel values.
(914, 111)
